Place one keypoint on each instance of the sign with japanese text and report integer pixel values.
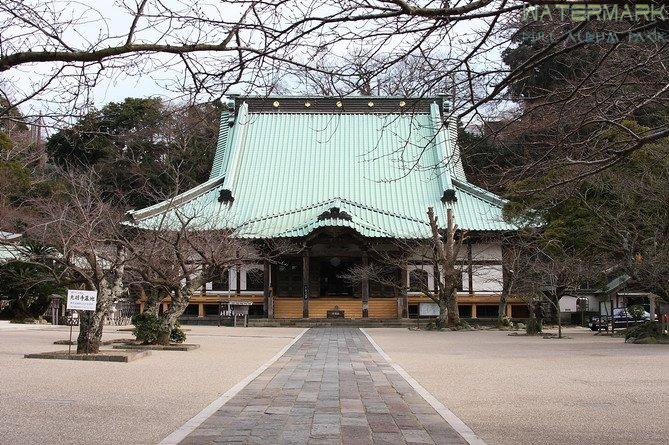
(81, 300)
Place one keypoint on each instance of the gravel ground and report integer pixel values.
(75, 402)
(525, 390)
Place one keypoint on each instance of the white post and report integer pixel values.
(651, 300)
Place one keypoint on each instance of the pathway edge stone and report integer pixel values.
(454, 421)
(184, 430)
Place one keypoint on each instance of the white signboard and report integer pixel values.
(81, 300)
(428, 309)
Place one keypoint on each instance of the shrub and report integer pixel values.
(177, 335)
(462, 326)
(643, 330)
(506, 322)
(533, 326)
(148, 327)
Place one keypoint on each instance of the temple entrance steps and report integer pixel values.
(334, 322)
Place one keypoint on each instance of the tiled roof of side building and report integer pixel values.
(286, 161)
(9, 237)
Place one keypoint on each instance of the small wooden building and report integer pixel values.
(343, 178)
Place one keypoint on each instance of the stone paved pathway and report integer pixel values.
(330, 387)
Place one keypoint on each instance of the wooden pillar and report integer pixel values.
(238, 271)
(365, 287)
(613, 324)
(402, 298)
(651, 302)
(200, 310)
(473, 311)
(470, 269)
(305, 283)
(508, 310)
(265, 289)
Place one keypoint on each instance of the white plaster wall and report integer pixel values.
(568, 304)
(487, 252)
(487, 278)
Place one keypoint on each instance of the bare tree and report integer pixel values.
(629, 208)
(82, 231)
(446, 246)
(511, 258)
(177, 262)
(353, 46)
(546, 273)
(440, 252)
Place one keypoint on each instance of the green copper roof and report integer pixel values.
(10, 252)
(286, 168)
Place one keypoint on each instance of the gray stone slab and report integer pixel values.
(330, 387)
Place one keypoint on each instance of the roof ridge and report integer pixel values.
(386, 212)
(479, 192)
(373, 226)
(366, 224)
(325, 202)
(237, 146)
(440, 145)
(180, 199)
(287, 212)
(221, 142)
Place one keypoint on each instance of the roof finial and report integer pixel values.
(449, 196)
(225, 197)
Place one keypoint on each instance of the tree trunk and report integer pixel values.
(501, 311)
(90, 331)
(442, 319)
(169, 320)
(171, 316)
(453, 312)
(532, 322)
(446, 256)
(508, 272)
(153, 300)
(165, 333)
(504, 298)
(559, 292)
(91, 323)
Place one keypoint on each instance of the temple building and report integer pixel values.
(348, 180)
